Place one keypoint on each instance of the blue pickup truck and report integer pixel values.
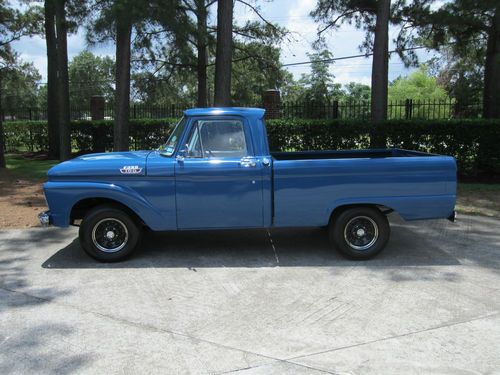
(215, 171)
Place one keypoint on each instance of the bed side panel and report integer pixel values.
(307, 191)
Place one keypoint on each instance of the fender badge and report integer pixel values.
(130, 169)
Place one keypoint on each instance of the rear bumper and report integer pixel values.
(45, 218)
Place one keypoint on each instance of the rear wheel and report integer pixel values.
(359, 232)
(108, 234)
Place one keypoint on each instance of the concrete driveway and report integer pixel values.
(222, 302)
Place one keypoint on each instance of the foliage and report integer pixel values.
(318, 85)
(462, 76)
(474, 143)
(256, 68)
(86, 135)
(90, 75)
(20, 86)
(356, 92)
(179, 87)
(330, 14)
(420, 87)
(468, 31)
(15, 24)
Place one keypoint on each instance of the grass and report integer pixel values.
(469, 187)
(32, 169)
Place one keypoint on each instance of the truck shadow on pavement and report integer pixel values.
(432, 243)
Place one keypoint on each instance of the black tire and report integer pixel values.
(359, 233)
(108, 234)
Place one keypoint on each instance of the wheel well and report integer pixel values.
(80, 209)
(338, 210)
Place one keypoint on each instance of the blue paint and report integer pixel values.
(281, 190)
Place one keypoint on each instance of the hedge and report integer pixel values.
(474, 143)
(86, 135)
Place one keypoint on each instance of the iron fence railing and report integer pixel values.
(405, 109)
(361, 110)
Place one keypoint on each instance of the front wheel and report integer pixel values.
(359, 233)
(108, 234)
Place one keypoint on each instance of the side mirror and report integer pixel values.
(181, 154)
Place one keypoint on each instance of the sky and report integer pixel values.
(291, 14)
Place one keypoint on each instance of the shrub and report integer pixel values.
(86, 135)
(474, 143)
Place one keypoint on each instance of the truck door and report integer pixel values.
(218, 178)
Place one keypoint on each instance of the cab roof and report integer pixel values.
(228, 111)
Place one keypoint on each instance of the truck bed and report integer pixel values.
(308, 186)
(348, 154)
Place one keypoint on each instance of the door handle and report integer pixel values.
(248, 162)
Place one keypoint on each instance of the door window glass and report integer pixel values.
(217, 139)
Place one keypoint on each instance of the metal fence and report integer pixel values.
(405, 109)
(137, 111)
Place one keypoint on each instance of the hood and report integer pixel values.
(105, 164)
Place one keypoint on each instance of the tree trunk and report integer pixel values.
(223, 53)
(380, 72)
(52, 116)
(2, 139)
(62, 81)
(122, 95)
(491, 94)
(201, 47)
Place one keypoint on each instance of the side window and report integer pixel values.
(217, 138)
(193, 147)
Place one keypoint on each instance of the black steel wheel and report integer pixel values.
(108, 234)
(359, 232)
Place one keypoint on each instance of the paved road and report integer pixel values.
(222, 302)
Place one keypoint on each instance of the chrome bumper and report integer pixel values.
(44, 218)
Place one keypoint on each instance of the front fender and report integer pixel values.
(62, 196)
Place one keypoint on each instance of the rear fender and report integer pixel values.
(409, 207)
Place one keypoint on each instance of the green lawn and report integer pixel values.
(465, 187)
(29, 168)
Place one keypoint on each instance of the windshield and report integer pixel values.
(168, 148)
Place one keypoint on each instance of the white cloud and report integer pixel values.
(34, 50)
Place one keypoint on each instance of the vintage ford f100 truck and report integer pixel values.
(215, 171)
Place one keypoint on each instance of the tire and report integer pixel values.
(359, 233)
(108, 234)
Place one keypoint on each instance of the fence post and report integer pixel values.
(172, 111)
(335, 109)
(408, 108)
(98, 131)
(271, 101)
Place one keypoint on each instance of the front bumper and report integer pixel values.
(45, 219)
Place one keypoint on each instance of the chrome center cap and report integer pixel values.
(360, 232)
(110, 235)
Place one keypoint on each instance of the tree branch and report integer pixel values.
(256, 11)
(334, 22)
